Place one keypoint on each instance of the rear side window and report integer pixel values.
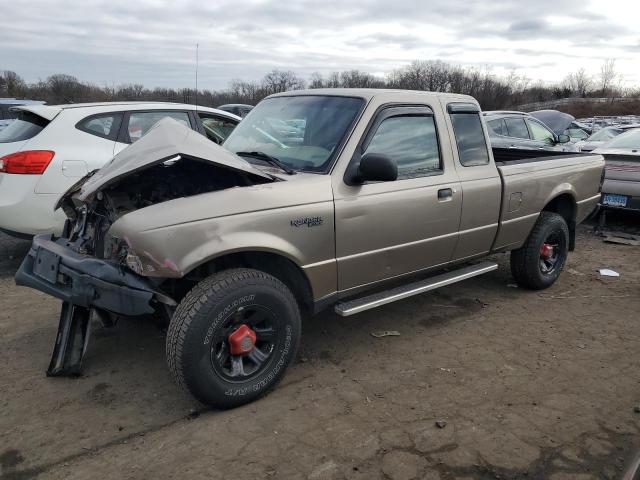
(26, 125)
(498, 127)
(216, 129)
(472, 146)
(411, 141)
(141, 122)
(103, 125)
(516, 127)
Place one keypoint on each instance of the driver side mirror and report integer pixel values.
(563, 138)
(376, 167)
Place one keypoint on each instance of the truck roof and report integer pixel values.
(369, 93)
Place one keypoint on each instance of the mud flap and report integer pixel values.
(71, 341)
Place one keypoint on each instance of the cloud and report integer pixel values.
(153, 42)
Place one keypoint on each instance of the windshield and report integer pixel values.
(629, 139)
(26, 125)
(303, 132)
(604, 134)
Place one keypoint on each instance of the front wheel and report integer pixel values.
(233, 336)
(538, 263)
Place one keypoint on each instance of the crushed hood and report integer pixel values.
(166, 140)
(555, 120)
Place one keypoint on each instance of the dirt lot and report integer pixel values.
(530, 385)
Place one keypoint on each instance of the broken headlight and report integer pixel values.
(139, 264)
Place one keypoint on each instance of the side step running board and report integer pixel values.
(382, 298)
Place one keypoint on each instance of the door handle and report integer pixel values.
(445, 194)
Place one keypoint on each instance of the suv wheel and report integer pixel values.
(538, 263)
(233, 336)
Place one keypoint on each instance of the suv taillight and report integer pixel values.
(30, 162)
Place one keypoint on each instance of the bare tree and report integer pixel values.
(65, 88)
(492, 92)
(608, 75)
(316, 80)
(579, 82)
(281, 81)
(12, 84)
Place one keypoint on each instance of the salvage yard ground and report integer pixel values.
(530, 385)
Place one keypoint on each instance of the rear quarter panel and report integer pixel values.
(76, 152)
(528, 187)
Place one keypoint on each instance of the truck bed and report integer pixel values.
(533, 178)
(508, 156)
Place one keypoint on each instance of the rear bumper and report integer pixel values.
(55, 269)
(628, 188)
(633, 203)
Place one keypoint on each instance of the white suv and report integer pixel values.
(49, 148)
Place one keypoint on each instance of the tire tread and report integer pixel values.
(216, 285)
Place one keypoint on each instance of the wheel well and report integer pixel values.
(274, 264)
(565, 206)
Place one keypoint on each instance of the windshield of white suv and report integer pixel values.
(303, 132)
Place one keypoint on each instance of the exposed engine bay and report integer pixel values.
(175, 178)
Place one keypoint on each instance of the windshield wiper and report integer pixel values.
(269, 159)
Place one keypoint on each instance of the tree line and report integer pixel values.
(492, 91)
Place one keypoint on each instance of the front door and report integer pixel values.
(387, 229)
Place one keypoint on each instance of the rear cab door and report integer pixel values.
(481, 187)
(388, 229)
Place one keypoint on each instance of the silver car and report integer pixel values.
(621, 187)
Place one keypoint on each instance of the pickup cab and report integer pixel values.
(343, 198)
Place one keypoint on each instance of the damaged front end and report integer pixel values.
(93, 272)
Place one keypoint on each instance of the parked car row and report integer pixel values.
(46, 149)
(602, 136)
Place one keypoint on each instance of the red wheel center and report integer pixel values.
(242, 340)
(546, 250)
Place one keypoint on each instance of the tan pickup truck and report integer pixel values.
(348, 199)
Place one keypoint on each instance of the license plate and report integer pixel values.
(614, 200)
(46, 265)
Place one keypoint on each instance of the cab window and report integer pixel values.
(411, 141)
(470, 140)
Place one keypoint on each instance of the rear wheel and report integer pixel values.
(538, 263)
(233, 336)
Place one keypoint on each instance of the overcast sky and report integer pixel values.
(153, 42)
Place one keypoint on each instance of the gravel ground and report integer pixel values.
(524, 385)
